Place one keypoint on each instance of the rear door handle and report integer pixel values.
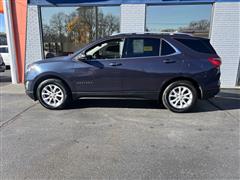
(168, 61)
(115, 64)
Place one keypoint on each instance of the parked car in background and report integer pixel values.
(176, 69)
(2, 64)
(5, 54)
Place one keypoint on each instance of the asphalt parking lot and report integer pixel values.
(118, 139)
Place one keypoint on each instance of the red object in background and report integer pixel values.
(19, 17)
(1, 7)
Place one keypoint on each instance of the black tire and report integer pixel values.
(56, 82)
(171, 87)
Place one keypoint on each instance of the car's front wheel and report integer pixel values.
(180, 96)
(52, 94)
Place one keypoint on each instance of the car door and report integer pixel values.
(101, 73)
(144, 69)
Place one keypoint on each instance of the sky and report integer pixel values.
(2, 25)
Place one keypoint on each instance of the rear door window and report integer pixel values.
(199, 45)
(142, 47)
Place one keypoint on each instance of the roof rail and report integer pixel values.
(169, 33)
(146, 32)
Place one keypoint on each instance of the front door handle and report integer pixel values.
(168, 61)
(115, 64)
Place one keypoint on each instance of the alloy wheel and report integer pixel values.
(52, 95)
(180, 97)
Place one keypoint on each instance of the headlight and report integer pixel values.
(32, 67)
(27, 85)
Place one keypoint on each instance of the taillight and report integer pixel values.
(216, 62)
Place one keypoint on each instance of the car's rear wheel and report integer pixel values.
(180, 96)
(52, 94)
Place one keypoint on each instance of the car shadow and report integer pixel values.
(227, 100)
(223, 101)
(114, 103)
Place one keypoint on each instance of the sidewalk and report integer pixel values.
(13, 101)
(12, 89)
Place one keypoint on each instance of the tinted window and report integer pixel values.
(198, 45)
(142, 47)
(207, 44)
(166, 49)
(3, 50)
(3, 38)
(107, 50)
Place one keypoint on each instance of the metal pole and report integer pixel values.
(10, 40)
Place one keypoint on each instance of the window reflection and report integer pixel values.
(194, 19)
(66, 29)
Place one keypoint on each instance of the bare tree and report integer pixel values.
(58, 27)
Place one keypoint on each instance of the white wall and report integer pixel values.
(33, 44)
(133, 18)
(225, 37)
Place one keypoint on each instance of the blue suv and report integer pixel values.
(176, 69)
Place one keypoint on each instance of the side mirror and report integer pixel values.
(83, 57)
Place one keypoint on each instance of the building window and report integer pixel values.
(66, 29)
(193, 19)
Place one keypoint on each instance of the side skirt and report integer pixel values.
(143, 95)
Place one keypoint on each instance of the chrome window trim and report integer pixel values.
(177, 51)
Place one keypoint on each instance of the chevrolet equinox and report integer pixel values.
(176, 69)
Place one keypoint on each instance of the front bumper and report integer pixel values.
(31, 95)
(29, 91)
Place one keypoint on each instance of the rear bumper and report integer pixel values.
(210, 93)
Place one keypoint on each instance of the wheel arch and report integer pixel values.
(194, 82)
(50, 76)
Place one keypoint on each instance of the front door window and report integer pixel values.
(107, 50)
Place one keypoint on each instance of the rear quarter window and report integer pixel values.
(166, 49)
(199, 45)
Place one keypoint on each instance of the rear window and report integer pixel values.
(199, 45)
(3, 50)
